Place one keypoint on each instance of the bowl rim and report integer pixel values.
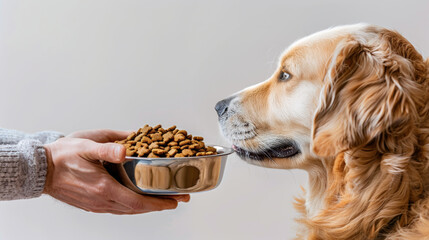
(225, 151)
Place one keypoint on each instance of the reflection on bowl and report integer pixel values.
(171, 175)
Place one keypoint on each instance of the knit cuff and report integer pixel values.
(45, 137)
(22, 170)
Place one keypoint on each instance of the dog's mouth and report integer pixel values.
(284, 150)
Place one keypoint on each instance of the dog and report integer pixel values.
(350, 105)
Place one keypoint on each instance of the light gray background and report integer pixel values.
(71, 65)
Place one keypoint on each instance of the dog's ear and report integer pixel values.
(369, 93)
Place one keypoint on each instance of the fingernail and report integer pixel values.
(182, 198)
(118, 153)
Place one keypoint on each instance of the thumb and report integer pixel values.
(110, 152)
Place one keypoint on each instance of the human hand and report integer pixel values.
(77, 177)
(100, 135)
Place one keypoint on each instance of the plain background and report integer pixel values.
(71, 65)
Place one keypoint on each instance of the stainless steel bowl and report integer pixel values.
(166, 176)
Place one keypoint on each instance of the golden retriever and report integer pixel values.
(350, 105)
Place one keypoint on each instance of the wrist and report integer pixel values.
(49, 169)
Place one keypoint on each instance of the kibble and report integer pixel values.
(157, 142)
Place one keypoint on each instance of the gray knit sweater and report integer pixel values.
(23, 163)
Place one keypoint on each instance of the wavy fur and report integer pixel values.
(378, 187)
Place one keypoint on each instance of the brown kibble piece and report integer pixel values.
(209, 153)
(184, 142)
(168, 136)
(172, 152)
(161, 143)
(162, 130)
(175, 147)
(189, 137)
(158, 151)
(171, 128)
(179, 137)
(175, 131)
(139, 145)
(187, 152)
(194, 146)
(146, 140)
(130, 152)
(138, 138)
(152, 155)
(156, 127)
(131, 136)
(184, 132)
(143, 151)
(173, 144)
(179, 155)
(201, 154)
(156, 137)
(198, 138)
(153, 146)
(145, 130)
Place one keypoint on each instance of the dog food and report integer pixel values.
(156, 142)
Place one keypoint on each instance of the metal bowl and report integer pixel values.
(166, 176)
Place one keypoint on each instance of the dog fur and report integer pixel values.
(356, 108)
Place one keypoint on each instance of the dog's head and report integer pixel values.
(333, 91)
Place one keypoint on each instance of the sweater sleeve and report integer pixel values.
(23, 163)
(22, 170)
(8, 136)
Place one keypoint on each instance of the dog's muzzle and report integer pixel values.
(222, 106)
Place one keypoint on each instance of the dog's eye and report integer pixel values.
(284, 76)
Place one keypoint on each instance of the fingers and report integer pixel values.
(93, 205)
(139, 203)
(101, 135)
(110, 152)
(179, 198)
(112, 135)
(108, 199)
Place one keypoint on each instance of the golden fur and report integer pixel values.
(357, 106)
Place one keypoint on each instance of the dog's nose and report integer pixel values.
(222, 106)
